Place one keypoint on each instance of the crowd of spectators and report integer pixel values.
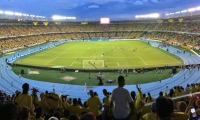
(179, 38)
(14, 36)
(16, 30)
(117, 105)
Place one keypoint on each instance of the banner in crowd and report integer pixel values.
(159, 21)
(57, 23)
(84, 23)
(180, 19)
(35, 23)
(170, 20)
(45, 23)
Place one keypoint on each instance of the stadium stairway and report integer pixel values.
(11, 82)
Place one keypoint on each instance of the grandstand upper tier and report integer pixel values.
(15, 34)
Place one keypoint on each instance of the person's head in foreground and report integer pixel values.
(163, 108)
(121, 81)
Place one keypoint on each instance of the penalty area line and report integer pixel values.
(72, 64)
(51, 60)
(143, 61)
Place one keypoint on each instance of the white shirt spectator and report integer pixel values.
(121, 98)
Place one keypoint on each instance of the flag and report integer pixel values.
(138, 102)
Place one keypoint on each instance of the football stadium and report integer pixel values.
(68, 68)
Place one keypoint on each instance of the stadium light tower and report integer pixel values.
(153, 15)
(17, 14)
(25, 15)
(32, 15)
(8, 13)
(198, 8)
(137, 16)
(57, 17)
(1, 12)
(191, 9)
(183, 11)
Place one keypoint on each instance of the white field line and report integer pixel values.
(51, 60)
(72, 64)
(143, 61)
(114, 62)
(80, 57)
(103, 64)
(120, 57)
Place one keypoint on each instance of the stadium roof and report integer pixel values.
(95, 9)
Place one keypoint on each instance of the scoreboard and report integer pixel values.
(105, 21)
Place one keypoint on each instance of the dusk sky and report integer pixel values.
(96, 9)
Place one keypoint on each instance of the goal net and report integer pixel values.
(91, 64)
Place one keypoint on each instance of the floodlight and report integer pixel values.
(166, 14)
(25, 14)
(183, 11)
(18, 14)
(57, 17)
(1, 12)
(154, 15)
(177, 12)
(9, 13)
(137, 16)
(71, 18)
(198, 8)
(105, 20)
(191, 9)
(32, 15)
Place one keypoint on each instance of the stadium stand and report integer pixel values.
(175, 102)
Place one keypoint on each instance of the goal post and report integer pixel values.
(88, 64)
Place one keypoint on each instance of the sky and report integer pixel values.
(95, 9)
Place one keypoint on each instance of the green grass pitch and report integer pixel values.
(103, 55)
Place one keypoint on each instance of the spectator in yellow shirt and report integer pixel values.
(35, 97)
(84, 109)
(95, 105)
(149, 98)
(25, 99)
(106, 105)
(74, 108)
(152, 115)
(193, 89)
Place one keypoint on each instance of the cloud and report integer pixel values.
(117, 6)
(145, 1)
(93, 6)
(154, 1)
(105, 1)
(138, 2)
